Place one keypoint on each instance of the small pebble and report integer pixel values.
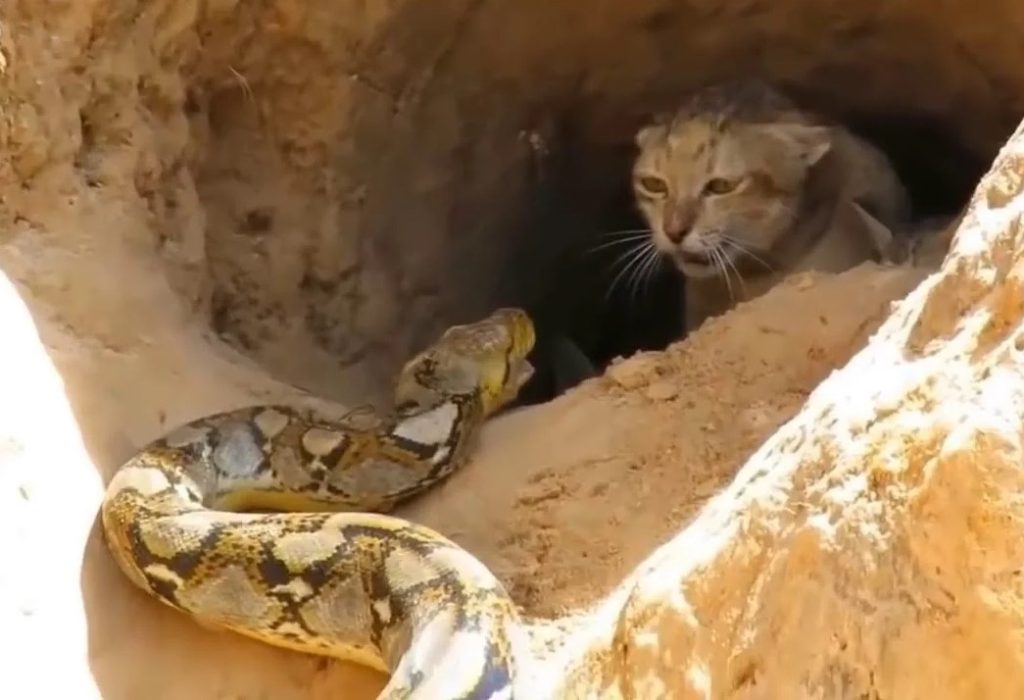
(662, 391)
(628, 374)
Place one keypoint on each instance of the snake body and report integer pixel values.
(333, 575)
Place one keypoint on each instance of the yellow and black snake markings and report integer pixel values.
(322, 575)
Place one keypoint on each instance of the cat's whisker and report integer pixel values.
(725, 270)
(626, 232)
(655, 259)
(746, 251)
(626, 256)
(641, 271)
(631, 275)
(728, 260)
(629, 235)
(638, 273)
(627, 259)
(620, 241)
(716, 256)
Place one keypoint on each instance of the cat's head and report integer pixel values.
(718, 191)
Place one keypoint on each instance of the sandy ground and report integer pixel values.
(562, 500)
(566, 498)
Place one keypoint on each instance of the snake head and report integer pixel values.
(510, 374)
(486, 358)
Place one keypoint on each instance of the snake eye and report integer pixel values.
(719, 185)
(654, 186)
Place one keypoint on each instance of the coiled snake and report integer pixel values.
(322, 578)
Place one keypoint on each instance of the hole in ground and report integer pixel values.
(603, 298)
(608, 301)
(362, 195)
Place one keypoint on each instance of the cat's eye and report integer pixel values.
(653, 185)
(719, 185)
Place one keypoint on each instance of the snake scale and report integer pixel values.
(269, 521)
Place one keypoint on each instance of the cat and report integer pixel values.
(741, 188)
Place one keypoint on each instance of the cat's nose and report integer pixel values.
(676, 233)
(677, 222)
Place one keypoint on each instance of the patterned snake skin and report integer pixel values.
(321, 575)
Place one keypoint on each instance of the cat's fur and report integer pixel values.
(741, 188)
(924, 243)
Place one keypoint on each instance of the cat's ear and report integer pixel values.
(647, 134)
(811, 143)
(658, 126)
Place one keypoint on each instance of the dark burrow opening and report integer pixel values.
(596, 303)
(360, 197)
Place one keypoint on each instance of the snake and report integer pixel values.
(273, 522)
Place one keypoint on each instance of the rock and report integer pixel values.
(870, 548)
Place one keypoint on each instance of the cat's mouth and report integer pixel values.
(691, 258)
(700, 264)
